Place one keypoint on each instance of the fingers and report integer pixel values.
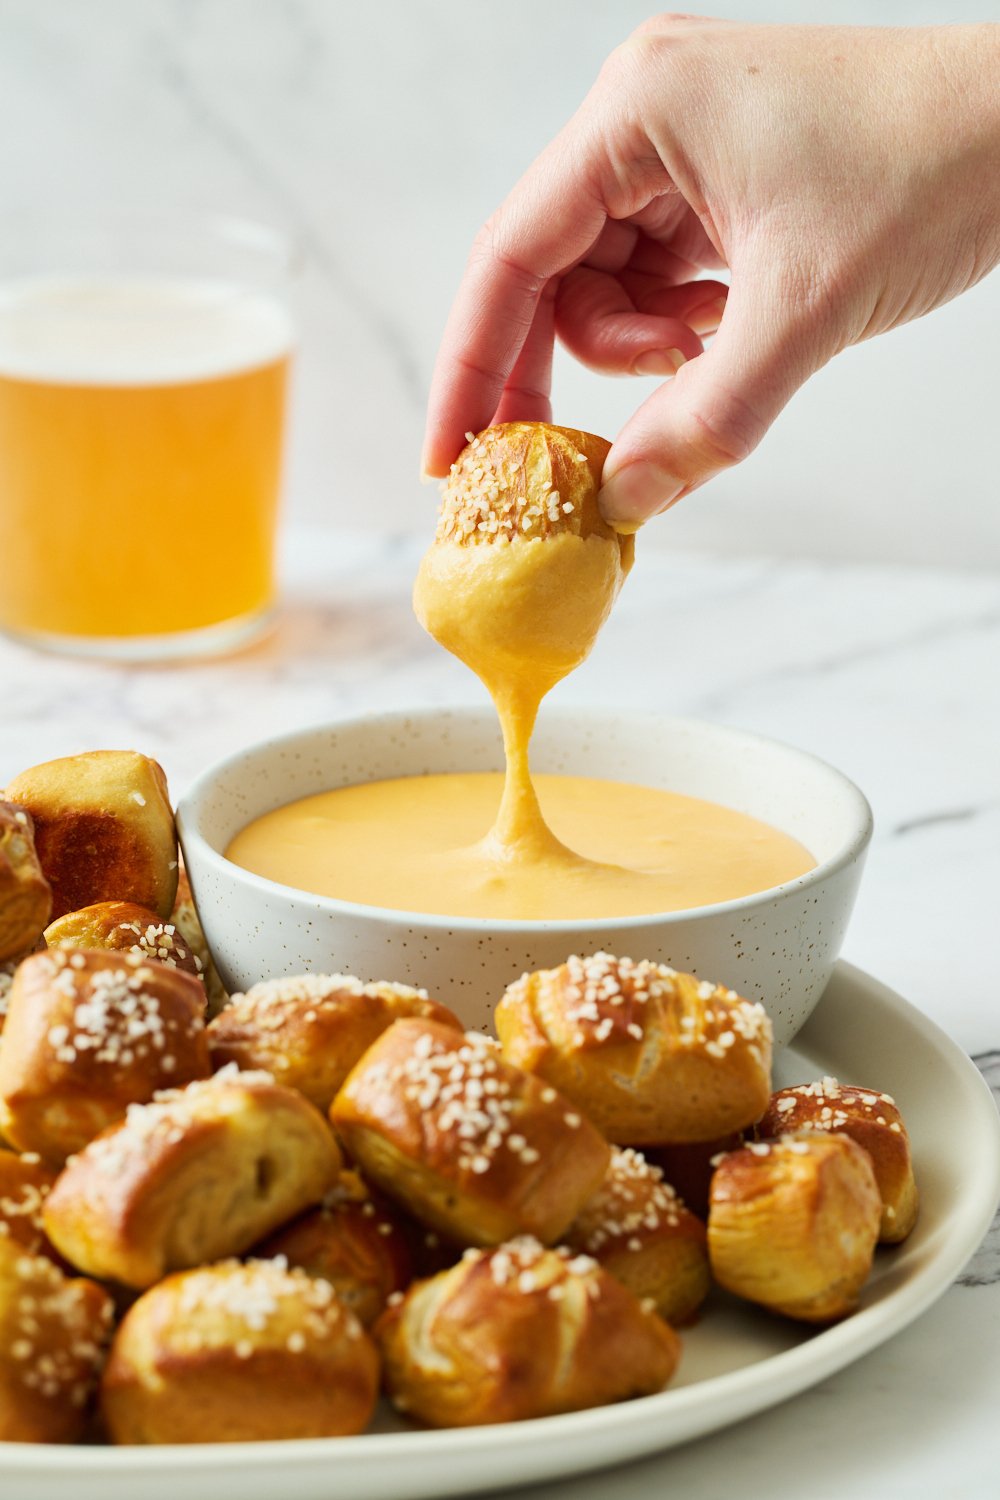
(599, 324)
(714, 413)
(546, 224)
(526, 395)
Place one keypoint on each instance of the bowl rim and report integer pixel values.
(191, 804)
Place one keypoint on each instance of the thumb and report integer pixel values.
(715, 410)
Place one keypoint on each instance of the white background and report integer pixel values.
(380, 134)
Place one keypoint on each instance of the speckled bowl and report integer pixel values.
(778, 946)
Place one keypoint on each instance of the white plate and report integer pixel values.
(736, 1361)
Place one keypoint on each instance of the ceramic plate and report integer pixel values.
(737, 1361)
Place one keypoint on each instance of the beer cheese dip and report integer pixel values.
(521, 576)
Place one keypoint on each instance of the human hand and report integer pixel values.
(847, 177)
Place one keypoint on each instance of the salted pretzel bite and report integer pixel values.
(793, 1224)
(6, 981)
(469, 1144)
(651, 1054)
(25, 1183)
(25, 894)
(637, 1228)
(104, 829)
(352, 1240)
(53, 1331)
(520, 1331)
(124, 927)
(310, 1030)
(87, 1034)
(200, 1173)
(688, 1167)
(238, 1352)
(868, 1117)
(185, 918)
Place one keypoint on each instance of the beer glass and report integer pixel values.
(143, 374)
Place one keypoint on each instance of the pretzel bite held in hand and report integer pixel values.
(25, 895)
(104, 829)
(518, 1332)
(311, 1029)
(87, 1034)
(652, 1055)
(53, 1331)
(473, 1147)
(871, 1119)
(201, 1173)
(354, 1242)
(637, 1228)
(238, 1353)
(25, 1183)
(123, 927)
(793, 1224)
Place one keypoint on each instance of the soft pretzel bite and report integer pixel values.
(7, 971)
(651, 1054)
(123, 927)
(53, 1330)
(25, 1183)
(469, 1144)
(868, 1117)
(311, 1029)
(87, 1034)
(637, 1228)
(25, 894)
(238, 1352)
(688, 1167)
(519, 1331)
(104, 829)
(200, 1173)
(185, 918)
(353, 1241)
(793, 1224)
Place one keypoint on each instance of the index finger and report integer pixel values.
(548, 221)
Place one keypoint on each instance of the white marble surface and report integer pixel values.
(889, 672)
(380, 135)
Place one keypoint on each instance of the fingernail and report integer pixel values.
(635, 493)
(707, 317)
(659, 362)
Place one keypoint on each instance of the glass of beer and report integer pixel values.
(143, 375)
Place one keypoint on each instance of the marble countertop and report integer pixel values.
(891, 674)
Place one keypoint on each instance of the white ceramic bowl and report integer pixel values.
(777, 946)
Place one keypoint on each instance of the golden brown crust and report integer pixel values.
(473, 1147)
(238, 1353)
(104, 829)
(52, 1336)
(793, 1224)
(872, 1120)
(124, 927)
(200, 1173)
(637, 1228)
(519, 1332)
(87, 1034)
(25, 895)
(25, 1183)
(651, 1054)
(354, 1241)
(688, 1167)
(311, 1029)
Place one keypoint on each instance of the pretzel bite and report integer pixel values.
(52, 1336)
(637, 1228)
(652, 1055)
(6, 982)
(25, 895)
(201, 1173)
(238, 1353)
(25, 1183)
(310, 1030)
(123, 927)
(352, 1241)
(871, 1119)
(688, 1167)
(87, 1034)
(104, 829)
(517, 1332)
(793, 1224)
(185, 918)
(471, 1145)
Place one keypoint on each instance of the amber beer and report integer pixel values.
(140, 453)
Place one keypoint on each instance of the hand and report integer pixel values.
(847, 177)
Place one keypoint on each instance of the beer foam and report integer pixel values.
(138, 331)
